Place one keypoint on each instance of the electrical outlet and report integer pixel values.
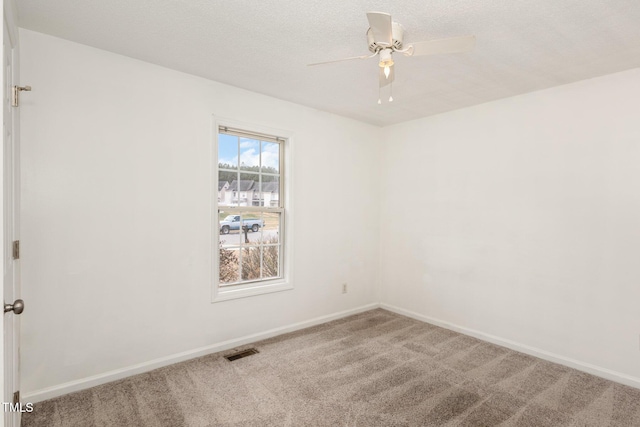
(344, 288)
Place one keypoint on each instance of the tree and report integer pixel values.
(230, 175)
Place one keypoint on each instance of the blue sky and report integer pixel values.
(249, 151)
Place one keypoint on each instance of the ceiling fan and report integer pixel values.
(385, 37)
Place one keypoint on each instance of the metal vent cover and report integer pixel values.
(241, 354)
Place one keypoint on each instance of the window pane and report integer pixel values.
(252, 225)
(271, 230)
(250, 263)
(225, 193)
(270, 191)
(246, 189)
(249, 154)
(228, 229)
(270, 157)
(227, 151)
(270, 261)
(229, 266)
(232, 233)
(240, 193)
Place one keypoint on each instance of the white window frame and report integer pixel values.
(285, 282)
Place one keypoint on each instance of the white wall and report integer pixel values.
(116, 209)
(527, 226)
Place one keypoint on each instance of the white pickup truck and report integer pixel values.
(232, 222)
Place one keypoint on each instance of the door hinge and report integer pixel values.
(15, 94)
(16, 397)
(16, 249)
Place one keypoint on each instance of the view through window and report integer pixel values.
(250, 207)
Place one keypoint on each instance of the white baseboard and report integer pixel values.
(84, 383)
(571, 363)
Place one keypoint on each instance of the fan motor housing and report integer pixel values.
(397, 31)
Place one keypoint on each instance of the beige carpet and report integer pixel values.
(373, 369)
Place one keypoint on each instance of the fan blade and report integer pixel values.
(451, 45)
(384, 80)
(380, 24)
(340, 60)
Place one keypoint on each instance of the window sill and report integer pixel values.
(243, 291)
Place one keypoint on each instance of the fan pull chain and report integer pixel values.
(391, 92)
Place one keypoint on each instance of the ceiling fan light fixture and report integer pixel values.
(386, 60)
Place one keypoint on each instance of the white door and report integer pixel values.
(11, 266)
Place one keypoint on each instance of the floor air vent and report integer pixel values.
(241, 354)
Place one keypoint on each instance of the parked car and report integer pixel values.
(232, 222)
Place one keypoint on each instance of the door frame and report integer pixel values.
(10, 27)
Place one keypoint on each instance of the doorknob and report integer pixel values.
(17, 307)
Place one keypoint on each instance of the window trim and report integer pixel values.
(286, 171)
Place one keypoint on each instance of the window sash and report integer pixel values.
(241, 246)
(260, 137)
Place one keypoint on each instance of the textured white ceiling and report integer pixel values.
(264, 46)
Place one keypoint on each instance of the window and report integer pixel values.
(250, 217)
